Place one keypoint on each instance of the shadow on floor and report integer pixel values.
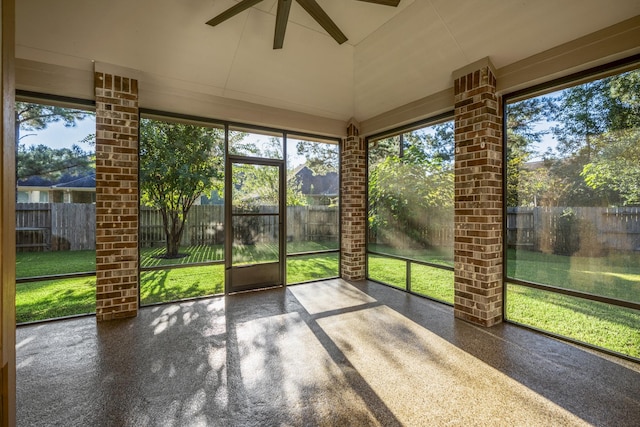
(324, 353)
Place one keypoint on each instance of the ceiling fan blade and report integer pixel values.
(232, 11)
(282, 17)
(393, 3)
(316, 12)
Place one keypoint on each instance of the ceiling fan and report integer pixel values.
(282, 16)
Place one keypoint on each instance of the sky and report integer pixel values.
(56, 135)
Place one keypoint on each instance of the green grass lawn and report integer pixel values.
(441, 256)
(151, 257)
(55, 298)
(178, 283)
(603, 325)
(432, 282)
(428, 281)
(595, 323)
(388, 270)
(65, 297)
(615, 276)
(33, 264)
(312, 267)
(297, 247)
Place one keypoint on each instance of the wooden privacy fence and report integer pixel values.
(55, 226)
(71, 226)
(33, 226)
(586, 231)
(205, 225)
(312, 223)
(434, 227)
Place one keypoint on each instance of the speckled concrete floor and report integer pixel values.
(327, 353)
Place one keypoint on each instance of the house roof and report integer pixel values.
(65, 181)
(316, 184)
(87, 181)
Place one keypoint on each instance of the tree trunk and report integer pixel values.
(173, 228)
(173, 246)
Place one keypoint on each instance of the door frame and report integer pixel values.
(245, 271)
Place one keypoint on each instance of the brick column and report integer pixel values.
(478, 196)
(116, 196)
(353, 215)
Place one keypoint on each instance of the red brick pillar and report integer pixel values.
(116, 196)
(478, 196)
(353, 215)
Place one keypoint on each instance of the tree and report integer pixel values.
(615, 165)
(320, 158)
(255, 186)
(433, 145)
(51, 163)
(45, 161)
(178, 163)
(409, 190)
(524, 184)
(590, 117)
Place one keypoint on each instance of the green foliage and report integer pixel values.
(402, 191)
(320, 158)
(526, 186)
(294, 194)
(436, 146)
(52, 163)
(44, 161)
(567, 239)
(405, 185)
(617, 165)
(178, 163)
(593, 121)
(381, 149)
(255, 186)
(595, 162)
(243, 143)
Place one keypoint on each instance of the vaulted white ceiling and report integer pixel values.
(394, 55)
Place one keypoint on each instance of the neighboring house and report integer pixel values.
(66, 189)
(213, 199)
(320, 189)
